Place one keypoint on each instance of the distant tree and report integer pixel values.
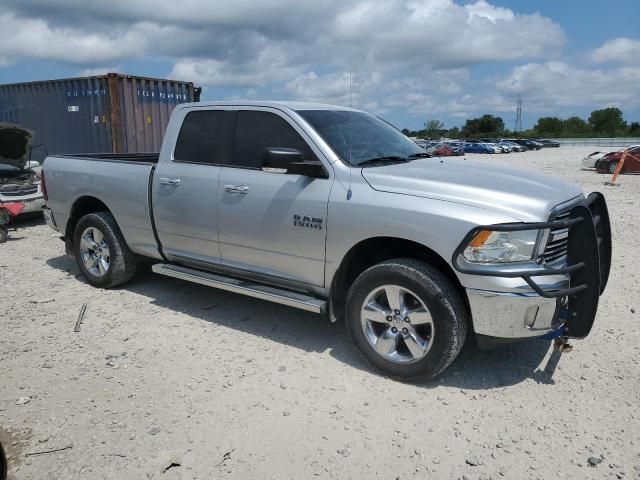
(607, 121)
(406, 131)
(575, 127)
(433, 128)
(453, 132)
(549, 127)
(486, 125)
(634, 129)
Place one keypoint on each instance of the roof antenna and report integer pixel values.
(349, 192)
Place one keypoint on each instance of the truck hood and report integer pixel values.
(521, 194)
(15, 145)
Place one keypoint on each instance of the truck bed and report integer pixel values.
(120, 181)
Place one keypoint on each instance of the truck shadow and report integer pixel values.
(474, 369)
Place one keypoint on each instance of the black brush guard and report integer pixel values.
(588, 263)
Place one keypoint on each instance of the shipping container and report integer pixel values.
(108, 113)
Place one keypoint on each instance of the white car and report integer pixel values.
(590, 160)
(19, 177)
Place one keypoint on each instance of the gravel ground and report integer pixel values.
(171, 380)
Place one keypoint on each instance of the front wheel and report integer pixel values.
(406, 318)
(101, 252)
(612, 167)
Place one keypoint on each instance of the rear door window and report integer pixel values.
(257, 131)
(200, 137)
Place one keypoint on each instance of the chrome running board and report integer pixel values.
(243, 287)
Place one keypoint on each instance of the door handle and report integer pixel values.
(244, 189)
(170, 181)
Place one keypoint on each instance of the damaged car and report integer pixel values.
(19, 175)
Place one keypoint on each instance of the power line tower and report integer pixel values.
(518, 127)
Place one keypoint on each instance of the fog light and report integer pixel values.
(530, 316)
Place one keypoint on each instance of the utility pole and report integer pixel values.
(518, 127)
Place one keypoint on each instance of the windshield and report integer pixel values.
(371, 137)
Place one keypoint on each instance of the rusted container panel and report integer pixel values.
(109, 113)
(145, 107)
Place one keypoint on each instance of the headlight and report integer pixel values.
(489, 246)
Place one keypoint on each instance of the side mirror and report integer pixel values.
(290, 160)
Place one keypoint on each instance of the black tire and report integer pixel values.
(441, 297)
(612, 167)
(4, 467)
(4, 234)
(122, 262)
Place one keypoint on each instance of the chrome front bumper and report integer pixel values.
(513, 315)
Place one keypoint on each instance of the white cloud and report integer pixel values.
(34, 38)
(625, 50)
(271, 64)
(441, 33)
(547, 86)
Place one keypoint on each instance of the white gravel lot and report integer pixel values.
(170, 380)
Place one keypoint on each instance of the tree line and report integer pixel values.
(606, 122)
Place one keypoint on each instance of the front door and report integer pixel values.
(271, 223)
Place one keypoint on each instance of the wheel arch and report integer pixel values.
(81, 206)
(372, 251)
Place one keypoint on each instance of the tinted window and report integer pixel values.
(359, 136)
(199, 137)
(257, 131)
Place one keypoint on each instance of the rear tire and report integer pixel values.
(432, 307)
(101, 251)
(4, 234)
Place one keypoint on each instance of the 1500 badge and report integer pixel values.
(307, 222)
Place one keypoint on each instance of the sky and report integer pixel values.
(409, 60)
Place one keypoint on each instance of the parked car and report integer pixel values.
(334, 211)
(590, 160)
(609, 162)
(443, 150)
(456, 147)
(429, 147)
(547, 143)
(530, 144)
(514, 146)
(505, 146)
(19, 177)
(478, 147)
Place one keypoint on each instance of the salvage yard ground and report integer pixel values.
(171, 380)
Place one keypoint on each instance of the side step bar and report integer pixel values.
(244, 287)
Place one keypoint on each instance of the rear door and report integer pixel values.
(185, 187)
(271, 223)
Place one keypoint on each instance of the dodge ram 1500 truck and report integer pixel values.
(332, 210)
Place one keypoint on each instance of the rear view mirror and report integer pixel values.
(291, 161)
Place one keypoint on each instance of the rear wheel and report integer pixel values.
(4, 234)
(101, 252)
(406, 318)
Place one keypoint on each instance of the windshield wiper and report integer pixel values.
(421, 155)
(383, 160)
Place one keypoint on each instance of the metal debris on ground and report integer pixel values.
(44, 452)
(80, 317)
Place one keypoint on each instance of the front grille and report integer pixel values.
(17, 192)
(556, 248)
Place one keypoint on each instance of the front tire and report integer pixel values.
(101, 251)
(612, 167)
(406, 318)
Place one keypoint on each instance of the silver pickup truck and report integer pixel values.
(334, 211)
